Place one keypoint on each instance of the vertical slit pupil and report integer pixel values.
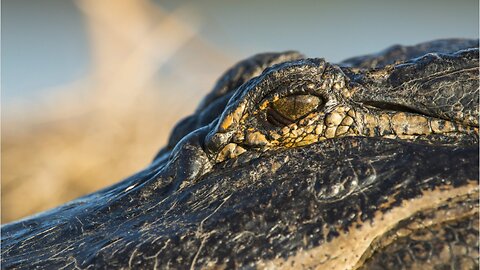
(297, 106)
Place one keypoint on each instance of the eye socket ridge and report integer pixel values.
(291, 108)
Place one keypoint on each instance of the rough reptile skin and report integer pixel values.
(293, 163)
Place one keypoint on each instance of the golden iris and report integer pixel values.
(296, 107)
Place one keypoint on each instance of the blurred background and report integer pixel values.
(91, 89)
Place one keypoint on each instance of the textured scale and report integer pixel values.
(293, 163)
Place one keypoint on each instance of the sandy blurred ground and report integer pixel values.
(105, 127)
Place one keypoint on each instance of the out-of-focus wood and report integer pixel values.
(110, 124)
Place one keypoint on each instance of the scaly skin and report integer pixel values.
(347, 104)
(293, 163)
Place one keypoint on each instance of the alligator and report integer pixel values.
(293, 163)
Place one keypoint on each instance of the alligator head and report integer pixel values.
(433, 99)
(293, 163)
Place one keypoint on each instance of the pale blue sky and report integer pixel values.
(44, 42)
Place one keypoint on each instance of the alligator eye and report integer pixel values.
(289, 109)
